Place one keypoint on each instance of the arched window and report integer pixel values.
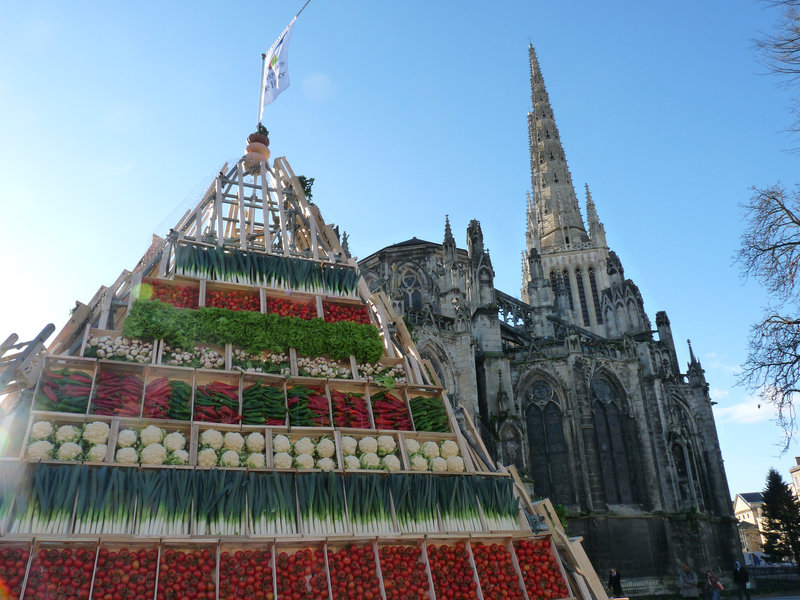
(615, 443)
(412, 291)
(568, 287)
(595, 297)
(582, 296)
(549, 456)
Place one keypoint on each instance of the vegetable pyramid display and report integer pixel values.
(238, 417)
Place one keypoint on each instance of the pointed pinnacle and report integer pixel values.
(448, 233)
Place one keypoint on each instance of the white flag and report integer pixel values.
(276, 68)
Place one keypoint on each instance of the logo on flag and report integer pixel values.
(276, 68)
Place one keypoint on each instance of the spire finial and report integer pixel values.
(692, 359)
(448, 233)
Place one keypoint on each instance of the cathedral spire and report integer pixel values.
(597, 232)
(449, 244)
(555, 213)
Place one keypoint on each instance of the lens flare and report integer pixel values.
(143, 291)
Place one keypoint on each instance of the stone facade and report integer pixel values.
(571, 383)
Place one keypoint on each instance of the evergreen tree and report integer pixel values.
(781, 520)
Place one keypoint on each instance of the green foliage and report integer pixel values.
(562, 513)
(263, 130)
(306, 183)
(255, 332)
(781, 520)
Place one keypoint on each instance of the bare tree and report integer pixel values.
(780, 52)
(770, 249)
(770, 253)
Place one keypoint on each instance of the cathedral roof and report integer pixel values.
(414, 241)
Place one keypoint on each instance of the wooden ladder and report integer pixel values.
(15, 367)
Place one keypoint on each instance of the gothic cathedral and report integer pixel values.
(571, 383)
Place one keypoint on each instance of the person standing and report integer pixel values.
(740, 579)
(614, 584)
(687, 581)
(712, 590)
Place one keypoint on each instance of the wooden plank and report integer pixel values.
(240, 200)
(218, 207)
(265, 196)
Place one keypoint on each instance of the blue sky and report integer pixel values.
(114, 117)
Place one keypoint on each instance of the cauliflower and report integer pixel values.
(391, 463)
(282, 460)
(412, 446)
(151, 435)
(230, 458)
(97, 453)
(281, 443)
(349, 445)
(352, 462)
(386, 445)
(304, 446)
(69, 451)
(367, 444)
(326, 464)
(211, 438)
(455, 464)
(154, 454)
(127, 456)
(304, 461)
(207, 458)
(370, 460)
(96, 433)
(67, 433)
(448, 448)
(326, 448)
(233, 441)
(418, 463)
(255, 442)
(41, 430)
(438, 464)
(257, 460)
(430, 449)
(41, 449)
(178, 457)
(126, 438)
(175, 441)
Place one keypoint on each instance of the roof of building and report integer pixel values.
(752, 497)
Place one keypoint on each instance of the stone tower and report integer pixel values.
(570, 383)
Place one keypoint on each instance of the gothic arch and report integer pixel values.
(432, 350)
(548, 449)
(512, 446)
(615, 440)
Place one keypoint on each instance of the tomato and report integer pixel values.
(403, 572)
(453, 577)
(338, 312)
(540, 571)
(61, 573)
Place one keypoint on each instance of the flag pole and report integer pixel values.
(261, 85)
(302, 9)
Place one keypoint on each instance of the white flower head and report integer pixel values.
(282, 460)
(126, 438)
(430, 449)
(178, 457)
(255, 442)
(175, 441)
(127, 456)
(97, 453)
(69, 451)
(96, 433)
(304, 461)
(326, 448)
(229, 458)
(151, 435)
(154, 454)
(326, 464)
(390, 462)
(438, 464)
(41, 430)
(368, 445)
(304, 446)
(448, 448)
(39, 450)
(455, 464)
(419, 463)
(211, 438)
(349, 445)
(370, 460)
(386, 445)
(412, 446)
(207, 458)
(352, 462)
(256, 460)
(67, 433)
(281, 443)
(233, 441)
